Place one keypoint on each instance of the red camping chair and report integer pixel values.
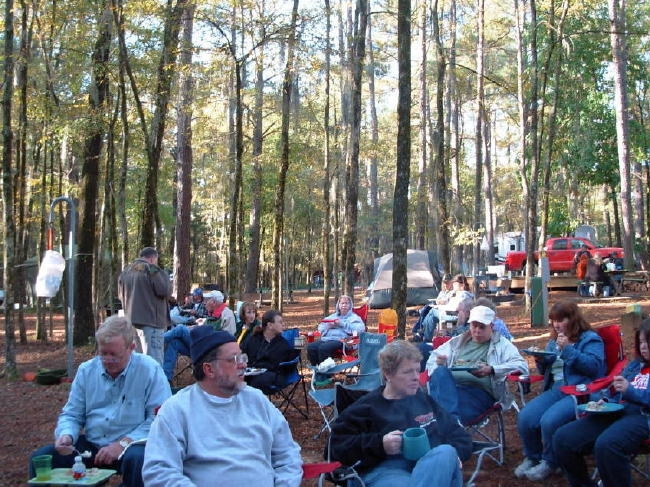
(614, 359)
(362, 311)
(387, 323)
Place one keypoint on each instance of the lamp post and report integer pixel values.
(70, 264)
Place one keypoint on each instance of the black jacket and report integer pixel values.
(357, 433)
(267, 355)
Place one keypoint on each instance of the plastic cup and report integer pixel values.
(43, 466)
(415, 443)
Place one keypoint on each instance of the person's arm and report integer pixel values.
(285, 453)
(73, 414)
(177, 318)
(443, 350)
(228, 322)
(162, 285)
(588, 359)
(509, 360)
(353, 323)
(350, 441)
(163, 456)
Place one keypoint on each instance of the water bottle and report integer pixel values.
(78, 469)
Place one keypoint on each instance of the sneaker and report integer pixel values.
(540, 471)
(524, 467)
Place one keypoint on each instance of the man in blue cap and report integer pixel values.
(219, 428)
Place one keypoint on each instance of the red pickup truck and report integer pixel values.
(561, 252)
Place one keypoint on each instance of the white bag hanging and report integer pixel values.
(50, 273)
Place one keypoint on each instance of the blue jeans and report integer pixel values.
(321, 349)
(463, 402)
(539, 420)
(438, 467)
(177, 340)
(150, 342)
(612, 438)
(129, 467)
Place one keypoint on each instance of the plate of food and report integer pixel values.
(538, 352)
(254, 371)
(464, 366)
(593, 407)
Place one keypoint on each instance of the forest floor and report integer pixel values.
(29, 410)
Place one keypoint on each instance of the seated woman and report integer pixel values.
(248, 320)
(424, 329)
(266, 348)
(369, 431)
(612, 437)
(583, 359)
(447, 310)
(340, 325)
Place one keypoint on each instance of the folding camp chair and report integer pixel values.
(287, 383)
(362, 312)
(290, 378)
(488, 434)
(367, 378)
(614, 359)
(335, 472)
(387, 323)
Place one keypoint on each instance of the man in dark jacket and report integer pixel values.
(144, 288)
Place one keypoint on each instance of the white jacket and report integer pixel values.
(502, 356)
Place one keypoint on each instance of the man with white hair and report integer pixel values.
(468, 373)
(220, 316)
(177, 340)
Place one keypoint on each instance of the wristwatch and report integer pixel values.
(124, 442)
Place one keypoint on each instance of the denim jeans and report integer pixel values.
(321, 349)
(177, 340)
(150, 342)
(539, 420)
(463, 402)
(129, 467)
(611, 437)
(439, 466)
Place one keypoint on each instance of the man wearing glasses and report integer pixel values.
(468, 373)
(111, 405)
(218, 430)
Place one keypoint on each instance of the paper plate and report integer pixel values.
(605, 408)
(254, 371)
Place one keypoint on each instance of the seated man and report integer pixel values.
(220, 316)
(113, 400)
(177, 340)
(178, 315)
(266, 349)
(467, 394)
(218, 431)
(196, 307)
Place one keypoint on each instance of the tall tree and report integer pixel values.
(154, 142)
(621, 104)
(8, 192)
(354, 141)
(403, 163)
(478, 137)
(278, 228)
(184, 158)
(93, 146)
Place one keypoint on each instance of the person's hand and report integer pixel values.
(63, 445)
(483, 371)
(334, 324)
(620, 384)
(392, 442)
(108, 454)
(562, 341)
(441, 359)
(200, 321)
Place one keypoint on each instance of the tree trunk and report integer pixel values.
(254, 243)
(162, 96)
(619, 53)
(422, 210)
(185, 160)
(7, 192)
(93, 145)
(400, 198)
(352, 159)
(327, 230)
(478, 134)
(278, 228)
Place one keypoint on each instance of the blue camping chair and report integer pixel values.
(367, 378)
(289, 379)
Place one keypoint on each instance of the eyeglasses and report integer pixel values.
(240, 358)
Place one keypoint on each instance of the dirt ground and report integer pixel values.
(30, 410)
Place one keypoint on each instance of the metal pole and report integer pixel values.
(70, 264)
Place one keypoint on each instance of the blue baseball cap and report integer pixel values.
(197, 292)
